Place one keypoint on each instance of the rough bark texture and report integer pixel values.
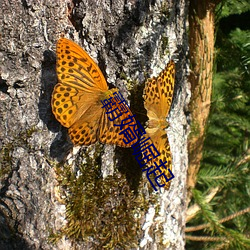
(201, 40)
(123, 36)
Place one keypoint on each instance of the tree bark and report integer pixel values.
(40, 168)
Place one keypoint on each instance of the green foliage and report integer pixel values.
(233, 53)
(230, 7)
(207, 211)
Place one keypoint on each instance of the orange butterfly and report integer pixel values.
(78, 95)
(158, 93)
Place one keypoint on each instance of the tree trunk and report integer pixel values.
(201, 40)
(54, 196)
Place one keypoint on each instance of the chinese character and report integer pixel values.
(129, 131)
(145, 147)
(158, 168)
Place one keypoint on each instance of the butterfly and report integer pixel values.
(157, 95)
(78, 95)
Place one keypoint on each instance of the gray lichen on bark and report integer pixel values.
(130, 38)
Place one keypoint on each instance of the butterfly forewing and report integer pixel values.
(76, 69)
(158, 92)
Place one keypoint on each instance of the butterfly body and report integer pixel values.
(158, 93)
(78, 95)
(157, 124)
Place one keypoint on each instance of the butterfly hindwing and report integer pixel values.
(84, 133)
(110, 133)
(160, 140)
